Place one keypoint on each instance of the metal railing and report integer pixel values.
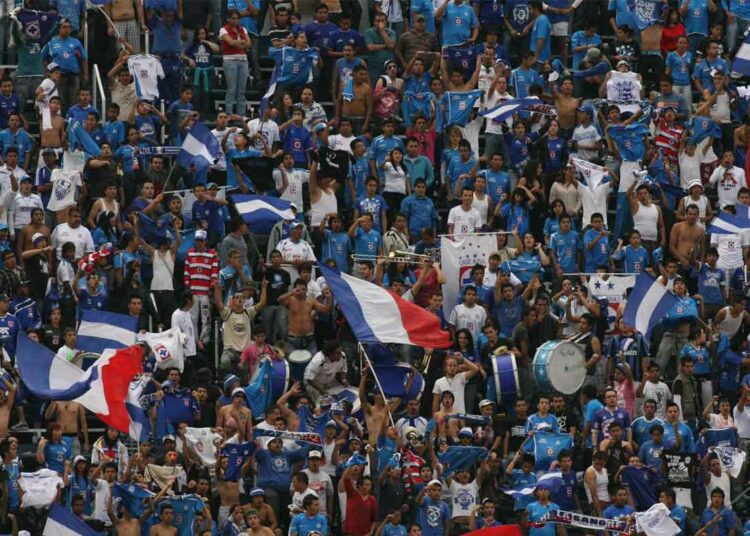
(98, 90)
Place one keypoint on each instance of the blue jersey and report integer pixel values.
(696, 20)
(420, 213)
(518, 13)
(81, 486)
(630, 140)
(205, 214)
(542, 30)
(367, 242)
(337, 246)
(8, 105)
(297, 141)
(554, 161)
(379, 149)
(518, 150)
(617, 512)
(739, 8)
(359, 172)
(679, 67)
(73, 10)
(185, 509)
(515, 216)
(78, 113)
(275, 470)
(642, 429)
(234, 154)
(115, 133)
(456, 168)
(579, 39)
(536, 511)
(456, 107)
(566, 247)
(458, 22)
(26, 311)
(320, 35)
(711, 284)
(702, 71)
(650, 454)
(688, 441)
(20, 140)
(293, 67)
(9, 328)
(522, 79)
(302, 524)
(55, 455)
(729, 364)
(599, 255)
(463, 59)
(147, 125)
(604, 418)
(498, 183)
(249, 23)
(373, 205)
(433, 516)
(341, 38)
(727, 521)
(535, 420)
(701, 359)
(635, 260)
(641, 481)
(490, 11)
(176, 113)
(68, 53)
(566, 494)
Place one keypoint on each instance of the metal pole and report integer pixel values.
(377, 381)
(600, 274)
(495, 233)
(216, 344)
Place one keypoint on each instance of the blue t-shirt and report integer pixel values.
(636, 260)
(650, 454)
(696, 20)
(566, 247)
(702, 71)
(701, 359)
(617, 512)
(55, 455)
(185, 509)
(542, 30)
(275, 470)
(688, 441)
(297, 141)
(727, 521)
(566, 495)
(147, 125)
(337, 246)
(73, 10)
(372, 205)
(522, 79)
(393, 530)
(518, 13)
(434, 516)
(458, 22)
(536, 512)
(498, 183)
(302, 524)
(20, 140)
(68, 53)
(679, 67)
(515, 215)
(167, 40)
(14, 473)
(8, 105)
(249, 23)
(367, 243)
(579, 39)
(711, 284)
(642, 429)
(380, 148)
(597, 256)
(234, 154)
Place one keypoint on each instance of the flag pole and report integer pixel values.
(377, 381)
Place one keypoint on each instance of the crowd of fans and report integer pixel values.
(631, 138)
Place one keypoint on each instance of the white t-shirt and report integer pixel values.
(463, 498)
(730, 247)
(65, 186)
(593, 200)
(182, 320)
(583, 135)
(268, 129)
(146, 70)
(456, 386)
(40, 488)
(690, 167)
(299, 497)
(221, 163)
(295, 179)
(337, 142)
(299, 251)
(494, 127)
(80, 236)
(729, 183)
(395, 179)
(464, 221)
(471, 318)
(661, 394)
(101, 497)
(742, 422)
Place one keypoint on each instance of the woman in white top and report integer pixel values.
(162, 284)
(397, 185)
(482, 202)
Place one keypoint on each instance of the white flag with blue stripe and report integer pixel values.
(551, 481)
(261, 212)
(731, 459)
(504, 110)
(61, 522)
(99, 331)
(741, 63)
(726, 223)
(200, 148)
(648, 304)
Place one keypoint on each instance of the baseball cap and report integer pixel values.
(434, 482)
(315, 454)
(79, 458)
(257, 492)
(623, 62)
(53, 66)
(485, 402)
(25, 178)
(296, 225)
(331, 423)
(238, 391)
(419, 18)
(167, 437)
(695, 182)
(465, 432)
(320, 126)
(36, 238)
(200, 234)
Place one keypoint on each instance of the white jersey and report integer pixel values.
(464, 221)
(221, 163)
(624, 87)
(729, 180)
(80, 236)
(65, 186)
(593, 200)
(22, 207)
(268, 129)
(730, 247)
(146, 70)
(463, 498)
(295, 179)
(471, 318)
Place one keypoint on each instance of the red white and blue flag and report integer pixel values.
(102, 389)
(379, 316)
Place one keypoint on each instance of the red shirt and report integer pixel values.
(361, 513)
(669, 37)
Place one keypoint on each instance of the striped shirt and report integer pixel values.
(668, 139)
(201, 270)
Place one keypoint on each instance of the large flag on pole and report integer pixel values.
(648, 304)
(457, 258)
(61, 522)
(261, 212)
(102, 389)
(741, 63)
(100, 330)
(377, 315)
(200, 148)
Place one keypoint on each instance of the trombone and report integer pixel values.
(394, 256)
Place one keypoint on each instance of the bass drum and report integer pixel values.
(559, 366)
(503, 386)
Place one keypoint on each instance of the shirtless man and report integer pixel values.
(359, 108)
(127, 16)
(229, 491)
(566, 105)
(376, 414)
(6, 403)
(235, 418)
(254, 528)
(300, 312)
(125, 524)
(650, 62)
(165, 526)
(263, 510)
(687, 238)
(55, 136)
(71, 416)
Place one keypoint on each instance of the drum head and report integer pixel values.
(299, 356)
(566, 368)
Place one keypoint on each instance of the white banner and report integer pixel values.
(203, 442)
(167, 347)
(590, 174)
(613, 289)
(457, 258)
(656, 521)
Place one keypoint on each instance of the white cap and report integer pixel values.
(695, 182)
(200, 234)
(434, 482)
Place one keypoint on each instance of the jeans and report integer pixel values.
(26, 86)
(495, 143)
(201, 309)
(687, 94)
(623, 218)
(274, 321)
(229, 362)
(169, 86)
(669, 348)
(235, 72)
(68, 88)
(734, 30)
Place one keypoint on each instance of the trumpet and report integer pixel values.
(394, 256)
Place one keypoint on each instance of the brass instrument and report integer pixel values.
(394, 256)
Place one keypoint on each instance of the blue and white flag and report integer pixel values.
(154, 232)
(78, 138)
(742, 211)
(132, 497)
(159, 151)
(725, 223)
(200, 148)
(731, 459)
(140, 424)
(305, 437)
(547, 446)
(261, 212)
(715, 437)
(648, 304)
(100, 330)
(550, 481)
(60, 522)
(259, 394)
(741, 63)
(646, 13)
(504, 110)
